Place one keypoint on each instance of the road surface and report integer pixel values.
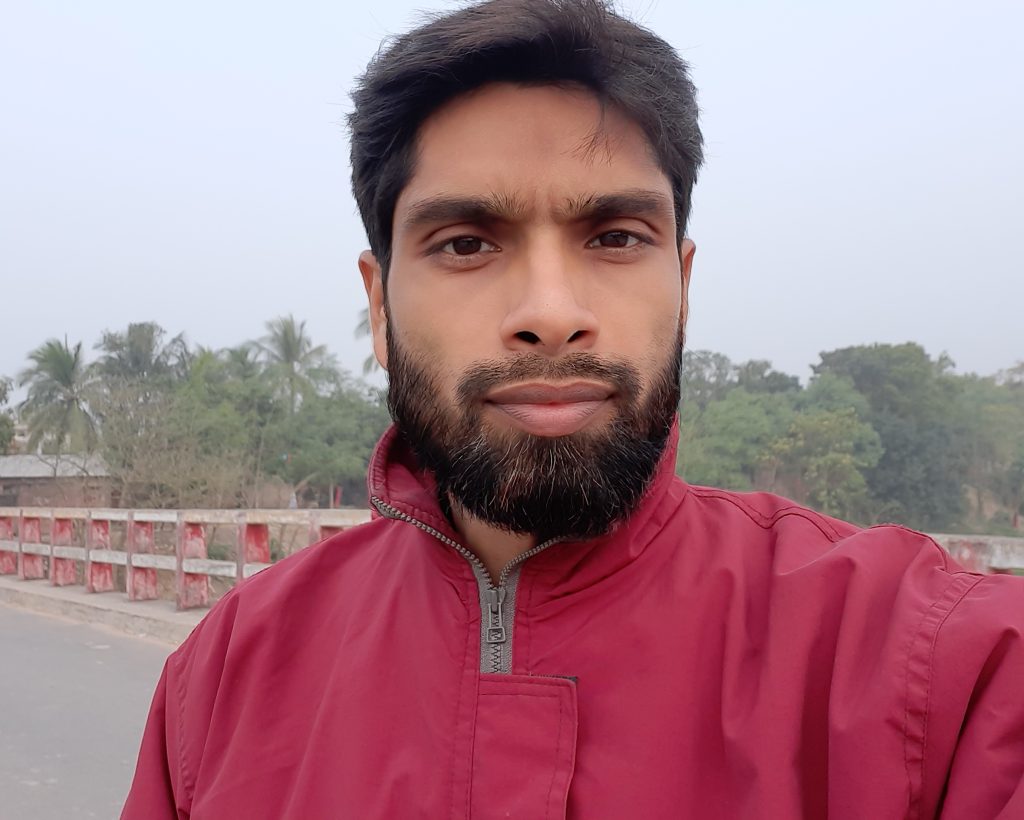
(73, 701)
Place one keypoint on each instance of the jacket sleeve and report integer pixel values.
(974, 754)
(152, 794)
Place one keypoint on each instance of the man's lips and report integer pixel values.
(542, 393)
(551, 409)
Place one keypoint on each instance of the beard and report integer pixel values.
(576, 486)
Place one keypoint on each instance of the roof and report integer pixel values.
(41, 466)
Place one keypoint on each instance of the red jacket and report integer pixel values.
(718, 656)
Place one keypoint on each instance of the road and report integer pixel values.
(73, 702)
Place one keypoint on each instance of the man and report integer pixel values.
(542, 620)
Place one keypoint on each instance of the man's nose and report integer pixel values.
(551, 312)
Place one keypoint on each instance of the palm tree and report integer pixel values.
(291, 356)
(140, 354)
(242, 362)
(370, 363)
(56, 406)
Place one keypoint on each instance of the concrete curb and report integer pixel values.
(157, 620)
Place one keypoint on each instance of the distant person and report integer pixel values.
(543, 621)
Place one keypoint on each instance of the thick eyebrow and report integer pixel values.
(636, 202)
(438, 209)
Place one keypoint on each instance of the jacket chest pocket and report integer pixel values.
(524, 747)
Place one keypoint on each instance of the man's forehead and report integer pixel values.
(521, 147)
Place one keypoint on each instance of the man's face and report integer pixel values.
(535, 308)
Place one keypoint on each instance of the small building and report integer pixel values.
(36, 480)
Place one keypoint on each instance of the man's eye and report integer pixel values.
(614, 239)
(467, 246)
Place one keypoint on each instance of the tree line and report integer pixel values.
(878, 433)
(183, 426)
(881, 433)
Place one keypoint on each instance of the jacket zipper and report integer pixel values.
(497, 600)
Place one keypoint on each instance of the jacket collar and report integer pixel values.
(395, 478)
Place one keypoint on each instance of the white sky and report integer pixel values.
(186, 163)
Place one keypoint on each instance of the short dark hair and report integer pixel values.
(535, 42)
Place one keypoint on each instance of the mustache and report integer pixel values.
(480, 379)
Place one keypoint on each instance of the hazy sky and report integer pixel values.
(187, 163)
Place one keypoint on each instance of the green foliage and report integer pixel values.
(732, 441)
(56, 408)
(291, 359)
(823, 457)
(188, 427)
(705, 377)
(757, 376)
(6, 419)
(328, 441)
(139, 354)
(363, 330)
(812, 445)
(911, 398)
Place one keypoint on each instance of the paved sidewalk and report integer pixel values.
(150, 619)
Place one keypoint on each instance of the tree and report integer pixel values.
(139, 354)
(919, 478)
(56, 408)
(293, 360)
(180, 446)
(329, 440)
(252, 393)
(243, 362)
(757, 376)
(731, 443)
(6, 419)
(822, 458)
(370, 363)
(705, 377)
(991, 426)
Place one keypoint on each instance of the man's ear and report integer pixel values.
(686, 251)
(374, 284)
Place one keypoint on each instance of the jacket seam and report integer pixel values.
(554, 768)
(767, 522)
(968, 583)
(943, 554)
(455, 732)
(526, 641)
(187, 779)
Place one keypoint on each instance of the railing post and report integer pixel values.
(8, 556)
(99, 577)
(30, 565)
(252, 545)
(142, 584)
(240, 547)
(329, 530)
(191, 589)
(62, 534)
(314, 527)
(257, 544)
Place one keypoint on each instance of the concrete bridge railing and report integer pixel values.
(58, 544)
(62, 545)
(984, 553)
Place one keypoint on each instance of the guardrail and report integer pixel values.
(75, 537)
(985, 553)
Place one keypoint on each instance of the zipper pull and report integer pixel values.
(495, 620)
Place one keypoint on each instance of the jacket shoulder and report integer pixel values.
(796, 536)
(767, 510)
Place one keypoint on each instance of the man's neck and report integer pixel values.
(493, 546)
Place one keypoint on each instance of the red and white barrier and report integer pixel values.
(81, 537)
